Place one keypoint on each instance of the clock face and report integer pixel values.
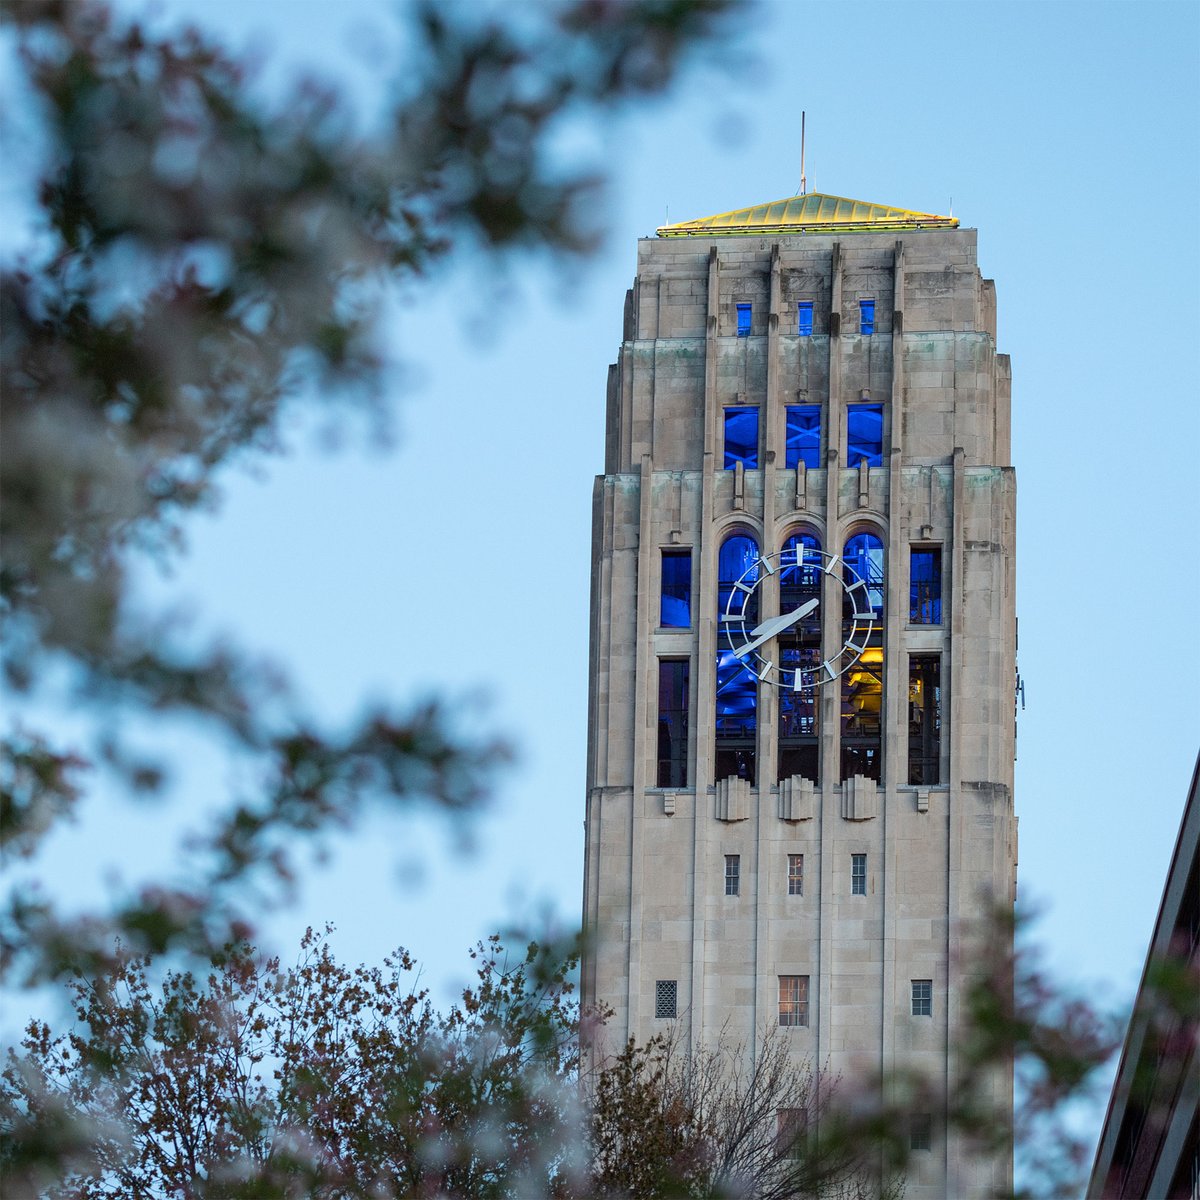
(786, 649)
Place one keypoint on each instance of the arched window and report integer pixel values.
(800, 580)
(737, 687)
(735, 565)
(862, 684)
(864, 556)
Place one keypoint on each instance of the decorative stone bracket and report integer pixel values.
(733, 800)
(796, 799)
(860, 798)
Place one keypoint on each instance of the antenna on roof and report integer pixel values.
(803, 177)
(952, 206)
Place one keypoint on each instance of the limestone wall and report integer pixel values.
(936, 855)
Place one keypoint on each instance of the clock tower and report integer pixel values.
(801, 719)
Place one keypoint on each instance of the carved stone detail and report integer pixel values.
(733, 799)
(797, 799)
(860, 798)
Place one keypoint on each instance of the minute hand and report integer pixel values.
(768, 629)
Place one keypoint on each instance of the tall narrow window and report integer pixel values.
(799, 650)
(666, 997)
(743, 320)
(924, 718)
(741, 437)
(866, 316)
(920, 1135)
(675, 601)
(673, 722)
(864, 434)
(733, 874)
(858, 874)
(922, 997)
(791, 1126)
(793, 999)
(803, 444)
(795, 874)
(925, 585)
(862, 684)
(736, 686)
(804, 315)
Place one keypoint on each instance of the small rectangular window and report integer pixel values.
(743, 318)
(666, 997)
(741, 437)
(925, 585)
(858, 874)
(922, 997)
(803, 444)
(866, 316)
(920, 1134)
(864, 434)
(791, 1126)
(804, 315)
(675, 601)
(795, 874)
(793, 1000)
(733, 874)
(673, 705)
(924, 718)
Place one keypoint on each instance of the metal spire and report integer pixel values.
(803, 177)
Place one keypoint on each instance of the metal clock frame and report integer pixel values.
(735, 621)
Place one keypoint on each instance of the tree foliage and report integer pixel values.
(311, 1080)
(668, 1119)
(254, 1079)
(200, 262)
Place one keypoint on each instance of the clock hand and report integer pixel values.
(768, 629)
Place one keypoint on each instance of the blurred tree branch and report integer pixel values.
(199, 264)
(251, 1079)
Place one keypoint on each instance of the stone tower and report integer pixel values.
(801, 717)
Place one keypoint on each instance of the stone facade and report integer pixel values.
(937, 853)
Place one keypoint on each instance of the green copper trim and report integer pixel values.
(816, 212)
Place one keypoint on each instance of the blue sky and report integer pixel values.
(1067, 134)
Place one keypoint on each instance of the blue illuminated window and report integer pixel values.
(799, 650)
(737, 715)
(675, 604)
(866, 316)
(800, 570)
(804, 315)
(736, 686)
(743, 316)
(741, 437)
(925, 586)
(803, 443)
(735, 564)
(862, 684)
(673, 709)
(864, 434)
(864, 556)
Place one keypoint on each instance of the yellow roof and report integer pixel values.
(815, 212)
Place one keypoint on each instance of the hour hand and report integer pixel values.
(769, 628)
